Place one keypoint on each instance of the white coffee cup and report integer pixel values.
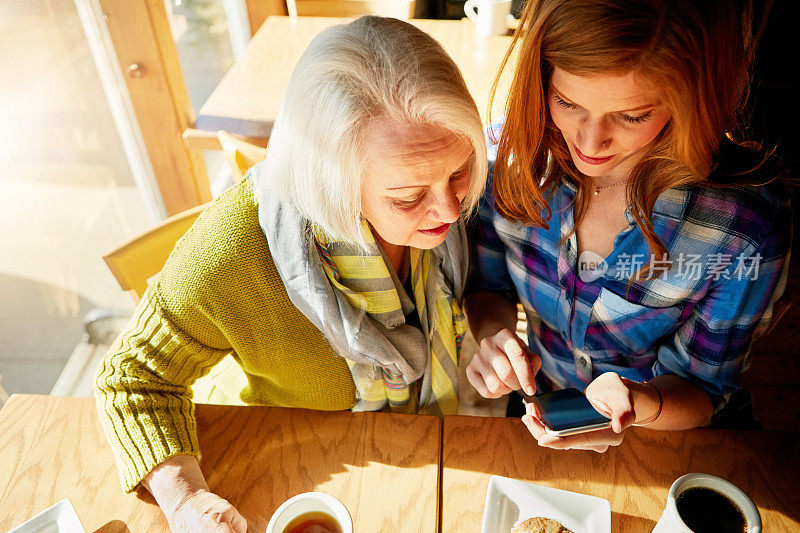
(490, 16)
(671, 522)
(309, 502)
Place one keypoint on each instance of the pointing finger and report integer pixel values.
(517, 354)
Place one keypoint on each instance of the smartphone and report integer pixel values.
(568, 412)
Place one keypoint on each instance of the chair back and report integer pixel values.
(240, 155)
(136, 261)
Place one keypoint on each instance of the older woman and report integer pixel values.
(333, 274)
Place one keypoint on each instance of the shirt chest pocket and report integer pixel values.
(618, 324)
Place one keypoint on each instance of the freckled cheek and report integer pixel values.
(644, 135)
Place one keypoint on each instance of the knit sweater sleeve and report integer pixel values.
(179, 332)
(143, 391)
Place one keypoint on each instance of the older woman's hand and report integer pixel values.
(612, 397)
(206, 512)
(502, 364)
(180, 489)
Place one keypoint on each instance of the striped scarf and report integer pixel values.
(366, 283)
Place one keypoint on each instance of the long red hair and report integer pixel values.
(696, 53)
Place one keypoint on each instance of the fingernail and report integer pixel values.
(530, 390)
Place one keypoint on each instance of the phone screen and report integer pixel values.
(567, 409)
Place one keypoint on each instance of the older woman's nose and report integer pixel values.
(447, 207)
(593, 137)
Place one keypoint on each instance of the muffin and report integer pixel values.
(539, 524)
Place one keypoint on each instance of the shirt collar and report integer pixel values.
(672, 203)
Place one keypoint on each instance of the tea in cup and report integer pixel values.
(311, 512)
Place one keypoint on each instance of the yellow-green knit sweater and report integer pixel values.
(218, 294)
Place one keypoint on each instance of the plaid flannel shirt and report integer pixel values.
(729, 250)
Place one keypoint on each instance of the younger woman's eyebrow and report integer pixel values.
(638, 108)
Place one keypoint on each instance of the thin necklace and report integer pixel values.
(598, 189)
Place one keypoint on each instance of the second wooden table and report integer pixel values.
(247, 100)
(635, 477)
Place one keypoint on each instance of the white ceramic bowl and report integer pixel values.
(306, 503)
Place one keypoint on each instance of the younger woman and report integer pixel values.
(637, 236)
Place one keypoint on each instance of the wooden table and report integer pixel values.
(383, 467)
(247, 100)
(634, 477)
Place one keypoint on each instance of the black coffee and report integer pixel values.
(708, 511)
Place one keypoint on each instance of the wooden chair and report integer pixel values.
(139, 259)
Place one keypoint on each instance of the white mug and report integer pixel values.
(671, 522)
(490, 16)
(310, 502)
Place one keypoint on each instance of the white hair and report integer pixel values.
(349, 75)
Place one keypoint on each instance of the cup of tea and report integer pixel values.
(700, 503)
(311, 512)
(491, 17)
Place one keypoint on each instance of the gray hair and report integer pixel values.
(351, 74)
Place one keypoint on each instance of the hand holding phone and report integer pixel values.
(613, 398)
(567, 412)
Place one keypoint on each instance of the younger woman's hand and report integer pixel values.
(610, 395)
(502, 364)
(205, 512)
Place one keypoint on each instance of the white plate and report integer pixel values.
(510, 501)
(60, 518)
